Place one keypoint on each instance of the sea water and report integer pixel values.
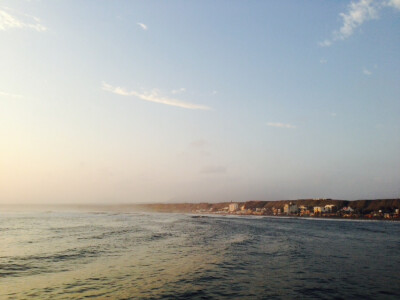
(69, 255)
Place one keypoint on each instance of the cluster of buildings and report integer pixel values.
(292, 209)
(386, 215)
(302, 210)
(331, 210)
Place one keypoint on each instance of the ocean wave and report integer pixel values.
(54, 262)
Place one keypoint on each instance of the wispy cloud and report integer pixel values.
(360, 12)
(178, 91)
(325, 43)
(143, 26)
(357, 14)
(323, 61)
(367, 72)
(394, 3)
(21, 21)
(10, 95)
(281, 125)
(333, 114)
(153, 96)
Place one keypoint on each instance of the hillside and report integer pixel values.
(362, 206)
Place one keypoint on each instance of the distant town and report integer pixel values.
(388, 209)
(291, 209)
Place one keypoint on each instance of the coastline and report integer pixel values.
(331, 209)
(333, 219)
(379, 209)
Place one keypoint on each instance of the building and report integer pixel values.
(348, 209)
(303, 208)
(233, 207)
(276, 211)
(330, 208)
(290, 208)
(319, 209)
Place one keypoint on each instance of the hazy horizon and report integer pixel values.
(116, 102)
(128, 204)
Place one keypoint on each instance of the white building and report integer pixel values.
(348, 209)
(233, 207)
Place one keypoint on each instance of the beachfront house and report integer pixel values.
(233, 207)
(303, 208)
(276, 211)
(330, 208)
(290, 208)
(348, 209)
(319, 209)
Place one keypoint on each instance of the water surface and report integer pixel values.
(174, 256)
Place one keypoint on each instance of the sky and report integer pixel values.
(198, 101)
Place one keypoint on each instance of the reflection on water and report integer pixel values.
(69, 255)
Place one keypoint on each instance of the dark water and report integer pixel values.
(171, 256)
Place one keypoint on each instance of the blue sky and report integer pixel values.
(154, 101)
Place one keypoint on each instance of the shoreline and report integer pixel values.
(368, 210)
(199, 215)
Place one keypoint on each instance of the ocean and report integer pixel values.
(106, 255)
